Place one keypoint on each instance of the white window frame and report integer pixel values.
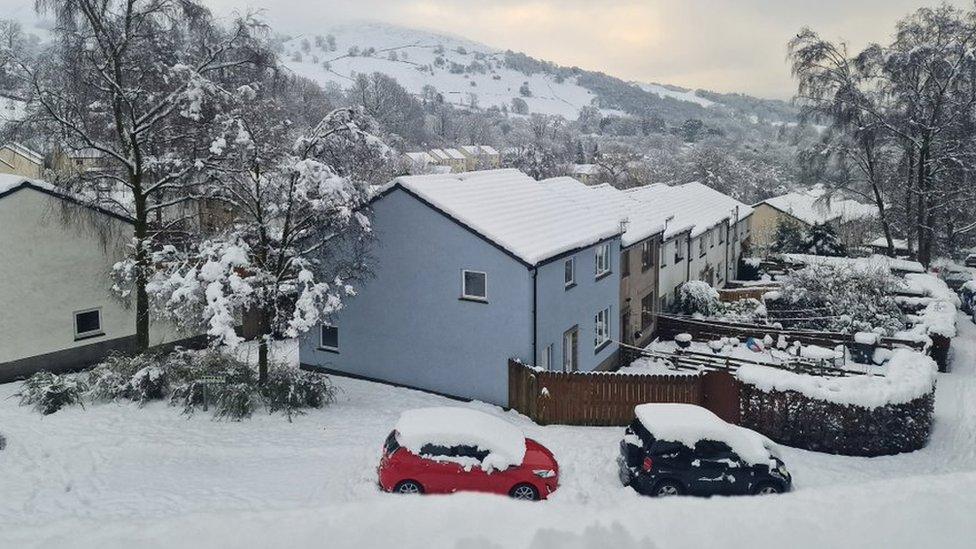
(322, 345)
(601, 337)
(547, 357)
(464, 288)
(602, 251)
(92, 333)
(572, 272)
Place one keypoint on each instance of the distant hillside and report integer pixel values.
(472, 75)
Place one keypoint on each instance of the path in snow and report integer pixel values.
(114, 475)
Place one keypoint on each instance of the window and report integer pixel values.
(625, 263)
(647, 311)
(475, 285)
(601, 329)
(602, 260)
(679, 252)
(88, 324)
(647, 255)
(329, 338)
(721, 234)
(570, 349)
(701, 246)
(664, 254)
(570, 276)
(547, 357)
(711, 238)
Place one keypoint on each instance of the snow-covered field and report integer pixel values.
(108, 477)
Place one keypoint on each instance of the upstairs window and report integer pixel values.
(601, 329)
(679, 252)
(625, 263)
(88, 323)
(329, 338)
(569, 268)
(475, 285)
(721, 235)
(647, 255)
(602, 260)
(701, 246)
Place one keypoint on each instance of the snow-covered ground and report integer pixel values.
(113, 475)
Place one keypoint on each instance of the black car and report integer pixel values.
(665, 468)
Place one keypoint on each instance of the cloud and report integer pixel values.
(730, 45)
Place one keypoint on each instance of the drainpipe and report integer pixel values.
(535, 323)
(688, 261)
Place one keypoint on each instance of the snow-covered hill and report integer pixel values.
(466, 73)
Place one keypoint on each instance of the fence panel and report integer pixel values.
(580, 398)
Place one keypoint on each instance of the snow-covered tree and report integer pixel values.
(788, 238)
(299, 239)
(821, 239)
(139, 82)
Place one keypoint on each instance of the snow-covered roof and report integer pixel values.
(815, 206)
(26, 152)
(489, 150)
(473, 150)
(693, 205)
(420, 157)
(512, 210)
(641, 222)
(10, 183)
(449, 426)
(880, 242)
(439, 154)
(688, 424)
(585, 169)
(454, 154)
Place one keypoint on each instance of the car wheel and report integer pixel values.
(524, 491)
(408, 487)
(768, 488)
(666, 488)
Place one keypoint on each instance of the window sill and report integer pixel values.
(570, 286)
(474, 299)
(603, 275)
(601, 347)
(332, 350)
(89, 336)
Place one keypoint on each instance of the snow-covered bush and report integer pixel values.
(217, 379)
(48, 392)
(698, 297)
(290, 389)
(139, 377)
(838, 298)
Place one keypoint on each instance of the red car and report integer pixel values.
(445, 450)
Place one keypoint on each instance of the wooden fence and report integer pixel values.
(705, 329)
(593, 398)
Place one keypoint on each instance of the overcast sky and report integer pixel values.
(728, 45)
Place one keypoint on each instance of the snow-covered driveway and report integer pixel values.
(110, 476)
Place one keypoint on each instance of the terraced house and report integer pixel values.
(471, 269)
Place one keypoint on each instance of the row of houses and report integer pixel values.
(473, 268)
(20, 160)
(853, 221)
(465, 158)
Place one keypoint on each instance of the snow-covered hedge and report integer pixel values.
(699, 297)
(855, 415)
(48, 392)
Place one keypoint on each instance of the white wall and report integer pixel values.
(49, 270)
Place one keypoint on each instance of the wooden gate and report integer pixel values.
(720, 394)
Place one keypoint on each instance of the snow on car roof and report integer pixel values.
(447, 426)
(688, 424)
(814, 205)
(512, 210)
(693, 205)
(641, 221)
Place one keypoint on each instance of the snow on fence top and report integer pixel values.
(812, 206)
(693, 205)
(642, 222)
(446, 426)
(512, 210)
(931, 286)
(688, 424)
(874, 262)
(908, 375)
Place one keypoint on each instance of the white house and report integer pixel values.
(58, 309)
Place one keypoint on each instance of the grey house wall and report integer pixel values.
(408, 325)
(559, 308)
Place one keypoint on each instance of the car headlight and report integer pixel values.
(782, 470)
(544, 473)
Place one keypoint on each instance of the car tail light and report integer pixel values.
(544, 473)
(648, 464)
